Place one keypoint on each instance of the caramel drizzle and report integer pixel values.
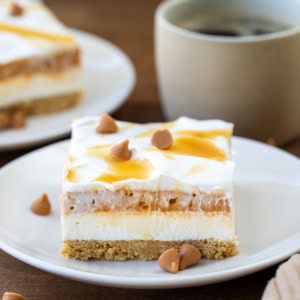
(199, 147)
(194, 143)
(117, 170)
(122, 170)
(207, 134)
(186, 142)
(27, 33)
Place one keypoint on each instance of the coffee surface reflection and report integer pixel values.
(232, 26)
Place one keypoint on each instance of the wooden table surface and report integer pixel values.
(129, 25)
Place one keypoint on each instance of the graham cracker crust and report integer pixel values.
(46, 105)
(142, 249)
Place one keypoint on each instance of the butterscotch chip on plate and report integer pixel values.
(169, 260)
(152, 199)
(41, 206)
(18, 120)
(12, 296)
(5, 120)
(120, 151)
(173, 261)
(162, 139)
(271, 141)
(189, 255)
(15, 119)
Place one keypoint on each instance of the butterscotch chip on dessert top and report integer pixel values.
(15, 9)
(107, 124)
(120, 151)
(162, 139)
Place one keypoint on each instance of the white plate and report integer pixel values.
(268, 204)
(108, 78)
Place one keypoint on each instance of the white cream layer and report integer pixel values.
(180, 172)
(18, 89)
(157, 226)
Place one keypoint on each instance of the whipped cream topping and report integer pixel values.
(200, 157)
(35, 32)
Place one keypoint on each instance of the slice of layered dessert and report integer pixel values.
(40, 68)
(131, 191)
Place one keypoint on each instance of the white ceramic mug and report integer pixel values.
(252, 80)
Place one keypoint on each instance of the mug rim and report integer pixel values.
(161, 19)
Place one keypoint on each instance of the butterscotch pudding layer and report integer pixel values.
(143, 201)
(143, 250)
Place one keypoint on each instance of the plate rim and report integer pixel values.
(148, 283)
(170, 281)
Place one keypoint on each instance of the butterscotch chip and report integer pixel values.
(169, 260)
(13, 120)
(120, 151)
(107, 125)
(15, 9)
(189, 255)
(18, 120)
(12, 296)
(41, 206)
(162, 139)
(271, 141)
(4, 120)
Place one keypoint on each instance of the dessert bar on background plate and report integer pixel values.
(40, 69)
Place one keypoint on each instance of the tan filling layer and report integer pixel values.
(54, 63)
(143, 250)
(143, 201)
(46, 104)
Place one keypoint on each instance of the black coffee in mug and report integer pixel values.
(232, 26)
